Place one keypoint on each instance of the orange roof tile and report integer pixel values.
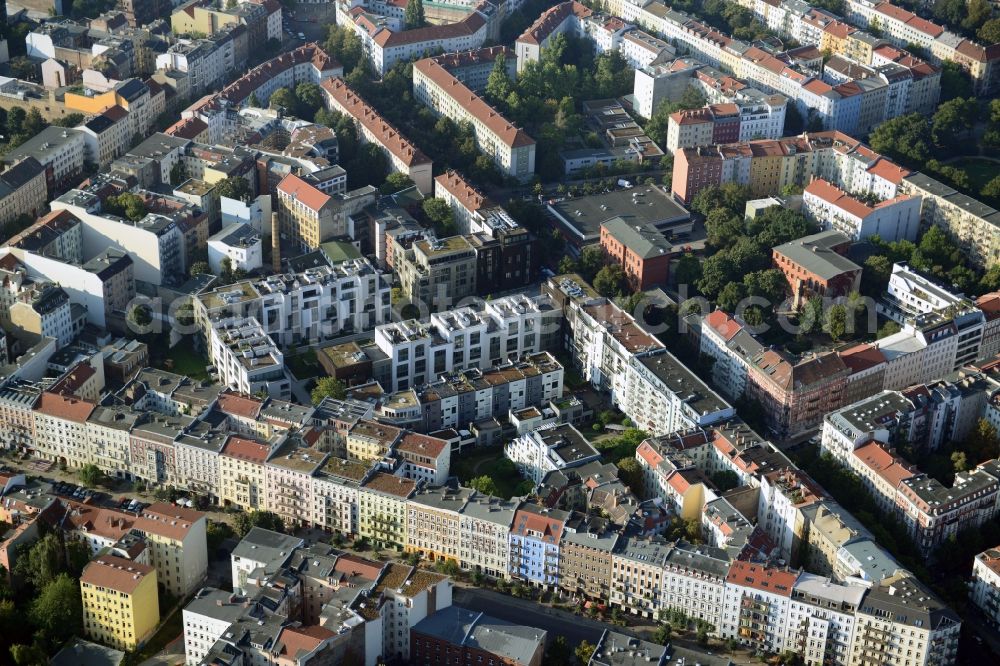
(775, 581)
(312, 197)
(115, 573)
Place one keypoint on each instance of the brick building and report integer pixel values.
(640, 249)
(816, 266)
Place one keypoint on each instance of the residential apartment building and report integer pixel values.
(176, 542)
(404, 156)
(535, 542)
(246, 358)
(969, 222)
(463, 338)
(484, 535)
(60, 151)
(434, 515)
(766, 167)
(984, 590)
(383, 509)
(728, 122)
(22, 190)
(120, 602)
(434, 640)
(549, 448)
(510, 147)
(893, 219)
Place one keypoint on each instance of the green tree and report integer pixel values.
(43, 562)
(200, 268)
(591, 261)
(991, 190)
(584, 651)
(178, 173)
(328, 387)
(610, 280)
(875, 276)
(835, 322)
(234, 187)
(730, 296)
(439, 212)
(141, 315)
(888, 328)
(630, 473)
(395, 182)
(524, 488)
(484, 484)
(413, 15)
(28, 655)
(558, 653)
(982, 443)
(903, 138)
(215, 533)
(567, 265)
(370, 166)
(955, 81)
(725, 480)
(954, 119)
(57, 611)
(688, 270)
(247, 520)
(91, 475)
(498, 85)
(960, 461)
(284, 98)
(128, 205)
(663, 634)
(311, 99)
(989, 32)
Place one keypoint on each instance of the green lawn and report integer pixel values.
(979, 171)
(480, 462)
(184, 360)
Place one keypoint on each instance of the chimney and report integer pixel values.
(275, 243)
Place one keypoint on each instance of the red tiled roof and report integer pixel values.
(775, 581)
(385, 134)
(862, 357)
(504, 130)
(312, 197)
(551, 19)
(115, 573)
(298, 642)
(245, 449)
(649, 454)
(837, 197)
(237, 404)
(468, 196)
(889, 467)
(723, 324)
(468, 26)
(64, 407)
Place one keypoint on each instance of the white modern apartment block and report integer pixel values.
(892, 220)
(463, 338)
(241, 244)
(246, 358)
(552, 447)
(507, 145)
(911, 294)
(984, 590)
(206, 618)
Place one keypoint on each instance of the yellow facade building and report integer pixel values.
(121, 605)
